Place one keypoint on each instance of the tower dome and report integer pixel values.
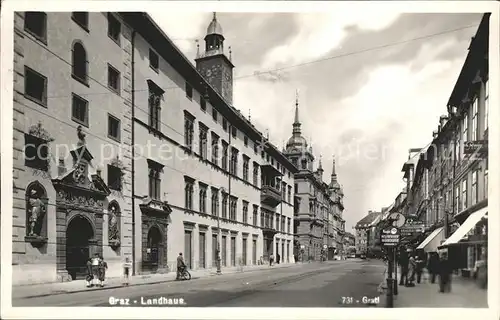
(296, 143)
(214, 27)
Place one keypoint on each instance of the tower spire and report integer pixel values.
(320, 165)
(334, 173)
(296, 122)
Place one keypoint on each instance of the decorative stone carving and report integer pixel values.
(39, 132)
(81, 136)
(114, 225)
(36, 209)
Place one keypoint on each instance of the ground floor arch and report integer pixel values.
(80, 242)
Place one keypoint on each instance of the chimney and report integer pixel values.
(61, 168)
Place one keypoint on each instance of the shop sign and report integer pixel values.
(389, 237)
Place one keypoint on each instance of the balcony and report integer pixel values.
(270, 195)
(268, 232)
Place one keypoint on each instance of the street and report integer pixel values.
(329, 284)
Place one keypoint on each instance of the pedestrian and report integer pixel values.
(180, 266)
(433, 266)
(411, 271)
(445, 271)
(419, 261)
(403, 263)
(103, 266)
(89, 276)
(271, 260)
(95, 270)
(278, 258)
(127, 265)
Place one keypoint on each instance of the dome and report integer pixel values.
(214, 27)
(335, 185)
(296, 142)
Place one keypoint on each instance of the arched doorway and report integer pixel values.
(79, 236)
(154, 244)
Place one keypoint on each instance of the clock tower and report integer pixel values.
(213, 64)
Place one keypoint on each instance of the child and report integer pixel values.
(103, 266)
(126, 271)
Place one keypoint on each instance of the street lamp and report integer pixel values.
(219, 271)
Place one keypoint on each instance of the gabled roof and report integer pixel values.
(367, 220)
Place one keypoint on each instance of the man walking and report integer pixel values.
(403, 263)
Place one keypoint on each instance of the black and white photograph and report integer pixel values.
(307, 155)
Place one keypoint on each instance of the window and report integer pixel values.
(289, 223)
(283, 191)
(79, 63)
(255, 174)
(283, 223)
(188, 192)
(155, 169)
(203, 198)
(245, 212)
(214, 114)
(82, 19)
(296, 188)
(36, 153)
(154, 61)
(203, 145)
(304, 164)
(475, 121)
(234, 131)
(464, 194)
(114, 28)
(224, 205)
(80, 110)
(188, 130)
(224, 124)
(289, 194)
(465, 128)
(255, 214)
(278, 222)
(233, 167)
(113, 79)
(154, 109)
(486, 103)
(474, 189)
(233, 208)
(35, 86)
(246, 168)
(255, 147)
(113, 128)
(215, 149)
(36, 24)
(114, 178)
(203, 104)
(224, 155)
(245, 141)
(457, 199)
(189, 91)
(215, 202)
(262, 219)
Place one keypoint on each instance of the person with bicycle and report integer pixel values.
(180, 266)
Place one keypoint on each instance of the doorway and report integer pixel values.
(79, 234)
(153, 248)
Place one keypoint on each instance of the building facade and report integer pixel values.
(365, 232)
(318, 223)
(151, 159)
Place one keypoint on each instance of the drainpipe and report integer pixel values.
(133, 155)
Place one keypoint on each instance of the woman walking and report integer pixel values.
(127, 265)
(433, 266)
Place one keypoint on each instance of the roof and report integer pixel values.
(368, 220)
(154, 35)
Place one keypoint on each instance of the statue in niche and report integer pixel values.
(113, 228)
(36, 209)
(81, 136)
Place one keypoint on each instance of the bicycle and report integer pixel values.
(185, 275)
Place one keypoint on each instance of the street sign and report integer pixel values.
(389, 237)
(325, 246)
(398, 218)
(412, 227)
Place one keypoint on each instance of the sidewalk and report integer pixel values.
(464, 294)
(47, 289)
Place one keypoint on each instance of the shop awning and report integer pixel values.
(467, 226)
(433, 241)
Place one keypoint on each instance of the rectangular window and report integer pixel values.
(233, 208)
(203, 144)
(36, 153)
(203, 198)
(215, 202)
(244, 252)
(296, 188)
(255, 174)
(255, 215)
(188, 192)
(80, 110)
(289, 195)
(254, 252)
(155, 169)
(234, 131)
(154, 109)
(262, 219)
(202, 251)
(233, 168)
(224, 205)
(245, 141)
(113, 79)
(214, 114)
(113, 128)
(188, 131)
(35, 86)
(486, 103)
(224, 155)
(81, 19)
(154, 60)
(475, 121)
(289, 223)
(283, 223)
(215, 149)
(246, 165)
(189, 91)
(233, 251)
(224, 124)
(224, 251)
(464, 194)
(278, 222)
(457, 200)
(114, 178)
(35, 23)
(474, 190)
(114, 28)
(203, 104)
(465, 128)
(245, 212)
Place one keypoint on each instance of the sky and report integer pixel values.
(370, 86)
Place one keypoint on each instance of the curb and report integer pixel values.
(116, 286)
